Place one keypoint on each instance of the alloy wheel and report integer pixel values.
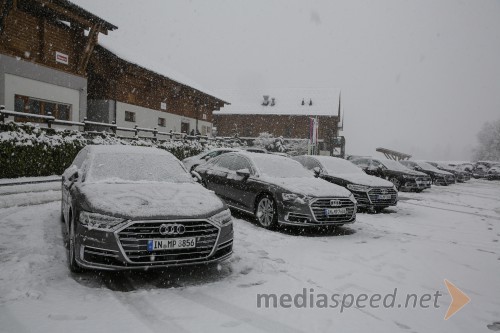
(266, 214)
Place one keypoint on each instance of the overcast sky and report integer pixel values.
(417, 76)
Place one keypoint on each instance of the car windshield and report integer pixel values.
(427, 166)
(280, 167)
(339, 166)
(394, 165)
(137, 167)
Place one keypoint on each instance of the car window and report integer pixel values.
(240, 162)
(78, 161)
(311, 163)
(225, 161)
(361, 163)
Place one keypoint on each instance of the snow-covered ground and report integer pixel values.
(444, 233)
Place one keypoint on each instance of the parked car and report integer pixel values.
(493, 173)
(370, 191)
(192, 162)
(460, 176)
(480, 171)
(130, 207)
(277, 190)
(403, 178)
(439, 177)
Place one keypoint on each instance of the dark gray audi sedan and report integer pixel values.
(130, 207)
(277, 190)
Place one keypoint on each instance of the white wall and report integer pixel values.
(17, 85)
(148, 118)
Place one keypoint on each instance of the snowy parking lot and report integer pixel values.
(448, 232)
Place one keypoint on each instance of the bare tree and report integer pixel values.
(489, 142)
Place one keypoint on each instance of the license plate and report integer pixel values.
(173, 243)
(384, 196)
(335, 211)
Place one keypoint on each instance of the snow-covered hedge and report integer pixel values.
(27, 150)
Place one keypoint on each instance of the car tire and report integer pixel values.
(395, 182)
(266, 212)
(72, 264)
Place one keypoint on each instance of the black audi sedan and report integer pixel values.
(370, 192)
(460, 176)
(403, 178)
(130, 207)
(277, 190)
(439, 177)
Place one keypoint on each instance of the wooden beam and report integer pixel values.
(7, 7)
(88, 49)
(64, 13)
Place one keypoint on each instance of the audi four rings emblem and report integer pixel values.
(383, 191)
(172, 229)
(334, 202)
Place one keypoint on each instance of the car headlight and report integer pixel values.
(223, 218)
(358, 188)
(100, 222)
(289, 196)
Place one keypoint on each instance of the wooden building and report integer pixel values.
(283, 112)
(129, 94)
(45, 47)
(50, 61)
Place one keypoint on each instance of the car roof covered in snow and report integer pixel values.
(125, 149)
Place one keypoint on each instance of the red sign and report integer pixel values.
(62, 58)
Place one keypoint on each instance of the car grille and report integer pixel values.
(361, 198)
(134, 239)
(374, 196)
(319, 206)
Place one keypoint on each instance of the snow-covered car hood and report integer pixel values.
(309, 186)
(364, 179)
(150, 200)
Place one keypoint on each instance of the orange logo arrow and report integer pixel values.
(458, 299)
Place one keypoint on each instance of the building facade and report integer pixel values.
(129, 94)
(286, 113)
(51, 63)
(44, 53)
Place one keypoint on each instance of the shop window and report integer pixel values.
(32, 105)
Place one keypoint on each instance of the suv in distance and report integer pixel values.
(277, 190)
(371, 192)
(402, 177)
(128, 207)
(439, 177)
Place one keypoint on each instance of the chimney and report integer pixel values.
(273, 101)
(310, 102)
(303, 103)
(266, 100)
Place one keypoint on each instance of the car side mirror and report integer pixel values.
(74, 176)
(196, 176)
(206, 158)
(245, 173)
(417, 168)
(317, 171)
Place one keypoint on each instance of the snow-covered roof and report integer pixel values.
(324, 102)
